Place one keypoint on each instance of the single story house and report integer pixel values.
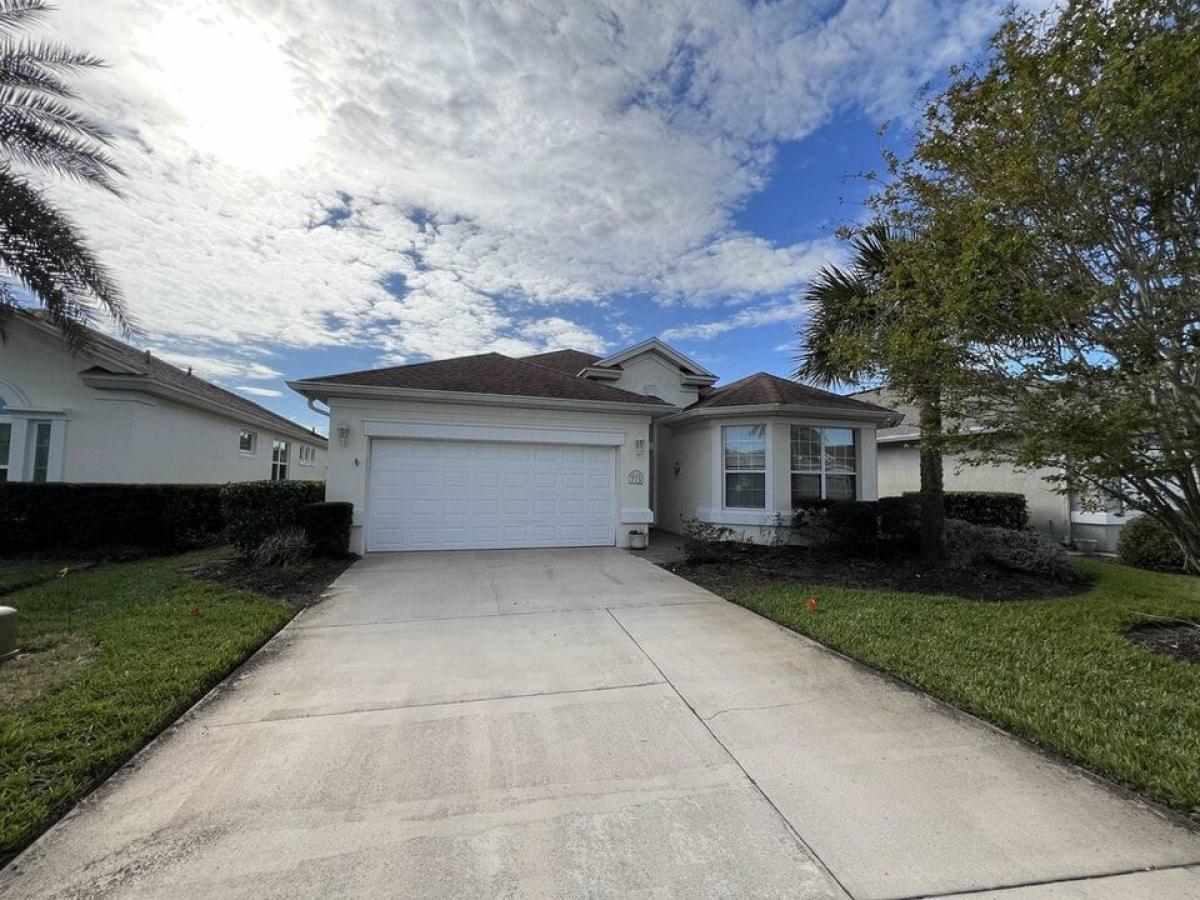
(1064, 517)
(114, 413)
(566, 449)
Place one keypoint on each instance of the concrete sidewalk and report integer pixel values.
(581, 722)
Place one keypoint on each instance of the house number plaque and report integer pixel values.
(636, 477)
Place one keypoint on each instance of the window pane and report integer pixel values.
(745, 447)
(806, 449)
(246, 441)
(746, 490)
(5, 439)
(805, 487)
(839, 451)
(41, 451)
(839, 487)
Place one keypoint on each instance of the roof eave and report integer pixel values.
(655, 343)
(324, 390)
(145, 384)
(780, 409)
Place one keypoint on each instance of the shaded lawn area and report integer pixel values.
(119, 652)
(1060, 672)
(20, 573)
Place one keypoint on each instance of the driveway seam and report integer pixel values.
(1073, 879)
(737, 762)
(384, 707)
(500, 615)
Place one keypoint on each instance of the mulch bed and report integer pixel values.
(1180, 640)
(893, 572)
(300, 585)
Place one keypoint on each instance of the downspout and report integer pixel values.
(320, 412)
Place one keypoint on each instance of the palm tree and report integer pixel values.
(856, 332)
(41, 251)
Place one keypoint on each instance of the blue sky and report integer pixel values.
(365, 183)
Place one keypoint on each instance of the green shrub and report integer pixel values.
(852, 526)
(327, 525)
(1146, 543)
(283, 549)
(255, 510)
(54, 517)
(900, 521)
(998, 509)
(1030, 552)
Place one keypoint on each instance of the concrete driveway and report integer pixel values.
(582, 723)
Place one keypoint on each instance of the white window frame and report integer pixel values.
(253, 451)
(765, 471)
(822, 473)
(280, 462)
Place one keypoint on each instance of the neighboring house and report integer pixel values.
(1065, 517)
(113, 413)
(566, 449)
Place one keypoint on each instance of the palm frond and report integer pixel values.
(45, 133)
(44, 252)
(15, 14)
(19, 72)
(50, 55)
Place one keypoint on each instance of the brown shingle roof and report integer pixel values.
(570, 361)
(489, 373)
(145, 363)
(762, 389)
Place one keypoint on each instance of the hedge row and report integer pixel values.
(994, 509)
(53, 517)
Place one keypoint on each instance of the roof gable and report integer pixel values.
(654, 345)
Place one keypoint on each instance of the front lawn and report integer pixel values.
(1059, 672)
(21, 573)
(119, 652)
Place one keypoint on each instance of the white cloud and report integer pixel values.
(220, 368)
(258, 391)
(789, 310)
(504, 161)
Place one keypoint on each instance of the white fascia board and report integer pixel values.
(435, 431)
(147, 385)
(778, 410)
(656, 345)
(323, 390)
(601, 374)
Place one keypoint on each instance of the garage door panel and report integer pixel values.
(463, 494)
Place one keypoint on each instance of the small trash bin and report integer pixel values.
(8, 632)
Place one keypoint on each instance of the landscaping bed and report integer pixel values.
(111, 656)
(1062, 672)
(1180, 640)
(300, 585)
(892, 572)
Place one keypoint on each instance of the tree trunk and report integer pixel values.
(933, 505)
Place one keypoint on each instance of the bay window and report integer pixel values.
(745, 466)
(824, 464)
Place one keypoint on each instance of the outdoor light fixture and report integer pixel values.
(343, 433)
(639, 446)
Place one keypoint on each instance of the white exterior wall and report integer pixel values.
(348, 465)
(900, 471)
(122, 437)
(698, 491)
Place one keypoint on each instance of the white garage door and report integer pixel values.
(458, 495)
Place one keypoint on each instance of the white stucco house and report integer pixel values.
(565, 449)
(1064, 517)
(114, 413)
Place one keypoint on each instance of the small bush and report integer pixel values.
(139, 519)
(852, 526)
(327, 525)
(704, 542)
(1146, 543)
(282, 549)
(997, 509)
(900, 521)
(256, 510)
(968, 545)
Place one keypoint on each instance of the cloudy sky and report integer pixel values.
(322, 185)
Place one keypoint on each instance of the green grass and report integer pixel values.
(19, 573)
(1058, 672)
(121, 655)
